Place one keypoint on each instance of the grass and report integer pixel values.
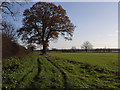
(19, 71)
(106, 60)
(85, 76)
(38, 71)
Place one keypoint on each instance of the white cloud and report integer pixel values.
(117, 31)
(110, 35)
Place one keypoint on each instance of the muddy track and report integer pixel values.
(35, 79)
(62, 72)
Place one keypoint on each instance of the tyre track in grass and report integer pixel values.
(36, 78)
(62, 72)
(68, 60)
(18, 83)
(85, 64)
(39, 70)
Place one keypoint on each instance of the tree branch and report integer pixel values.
(59, 30)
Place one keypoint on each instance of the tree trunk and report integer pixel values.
(86, 49)
(44, 49)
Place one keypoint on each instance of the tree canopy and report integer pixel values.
(44, 22)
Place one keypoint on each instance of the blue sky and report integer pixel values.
(96, 22)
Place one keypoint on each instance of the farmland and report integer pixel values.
(106, 60)
(61, 70)
(32, 57)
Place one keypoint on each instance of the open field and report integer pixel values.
(105, 60)
(59, 45)
(38, 71)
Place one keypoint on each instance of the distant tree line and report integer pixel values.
(99, 50)
(86, 47)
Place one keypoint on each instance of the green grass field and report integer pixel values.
(70, 70)
(105, 60)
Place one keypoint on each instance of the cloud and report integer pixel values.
(116, 31)
(110, 35)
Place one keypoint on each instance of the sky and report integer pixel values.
(96, 22)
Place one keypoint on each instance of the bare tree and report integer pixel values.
(6, 6)
(87, 45)
(73, 47)
(9, 31)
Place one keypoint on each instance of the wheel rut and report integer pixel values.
(36, 78)
(23, 78)
(62, 72)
